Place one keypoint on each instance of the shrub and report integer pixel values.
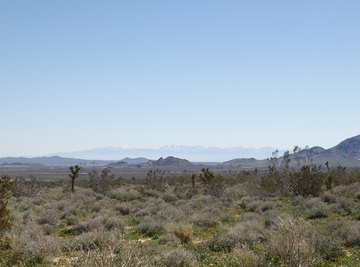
(177, 258)
(328, 245)
(308, 181)
(101, 183)
(184, 233)
(329, 198)
(114, 223)
(254, 205)
(124, 209)
(95, 223)
(47, 216)
(316, 208)
(5, 221)
(251, 216)
(292, 240)
(222, 242)
(169, 197)
(227, 217)
(270, 218)
(353, 235)
(96, 207)
(61, 205)
(32, 240)
(244, 202)
(124, 194)
(244, 257)
(8, 257)
(345, 204)
(149, 227)
(28, 188)
(317, 212)
(272, 183)
(48, 229)
(169, 213)
(260, 206)
(347, 232)
(214, 185)
(244, 233)
(247, 232)
(234, 192)
(36, 259)
(71, 219)
(267, 205)
(87, 241)
(207, 220)
(105, 249)
(357, 195)
(155, 180)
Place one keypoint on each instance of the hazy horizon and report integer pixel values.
(80, 74)
(193, 153)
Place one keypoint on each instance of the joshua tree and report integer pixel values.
(329, 179)
(73, 175)
(193, 176)
(206, 176)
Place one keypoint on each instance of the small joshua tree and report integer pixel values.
(193, 177)
(73, 175)
(328, 181)
(206, 176)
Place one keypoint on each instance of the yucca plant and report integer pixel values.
(184, 233)
(75, 170)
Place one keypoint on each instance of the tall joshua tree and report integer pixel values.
(73, 175)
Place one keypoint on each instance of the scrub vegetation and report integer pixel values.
(287, 216)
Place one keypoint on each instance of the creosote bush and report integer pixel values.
(5, 220)
(28, 188)
(306, 180)
(103, 182)
(293, 241)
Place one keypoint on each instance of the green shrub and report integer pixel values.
(34, 260)
(5, 220)
(177, 258)
(308, 181)
(150, 228)
(244, 257)
(101, 183)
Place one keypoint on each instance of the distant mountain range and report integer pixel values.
(346, 153)
(60, 161)
(192, 153)
(169, 163)
(52, 161)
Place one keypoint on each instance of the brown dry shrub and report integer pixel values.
(293, 240)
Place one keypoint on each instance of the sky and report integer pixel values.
(84, 74)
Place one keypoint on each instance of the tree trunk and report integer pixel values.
(72, 185)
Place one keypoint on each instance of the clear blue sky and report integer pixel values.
(83, 74)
